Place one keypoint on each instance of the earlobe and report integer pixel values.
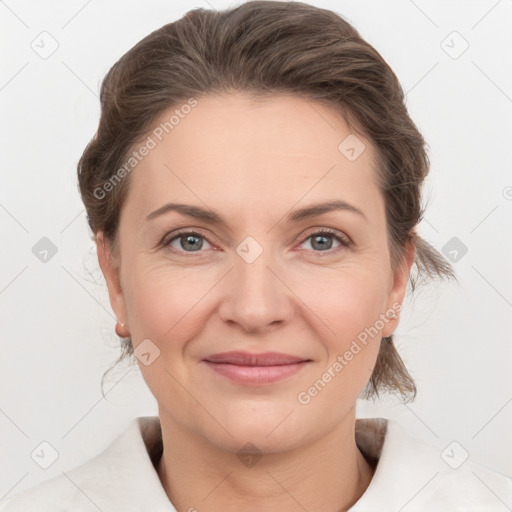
(121, 330)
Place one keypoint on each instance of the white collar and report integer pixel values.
(410, 475)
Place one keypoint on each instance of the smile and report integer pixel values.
(255, 369)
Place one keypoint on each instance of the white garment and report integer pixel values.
(410, 476)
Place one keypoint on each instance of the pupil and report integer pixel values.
(190, 240)
(322, 238)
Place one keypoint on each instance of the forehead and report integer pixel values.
(235, 151)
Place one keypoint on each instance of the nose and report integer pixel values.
(255, 295)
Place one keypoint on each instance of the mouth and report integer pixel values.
(255, 369)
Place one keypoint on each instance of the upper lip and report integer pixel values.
(253, 359)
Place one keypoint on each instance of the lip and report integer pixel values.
(255, 368)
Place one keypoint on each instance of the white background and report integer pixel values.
(57, 328)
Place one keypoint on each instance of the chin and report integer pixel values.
(250, 439)
(270, 431)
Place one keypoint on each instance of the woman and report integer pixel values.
(253, 190)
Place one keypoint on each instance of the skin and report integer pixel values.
(254, 161)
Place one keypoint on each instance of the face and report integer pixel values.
(266, 271)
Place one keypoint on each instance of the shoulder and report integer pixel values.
(474, 487)
(413, 475)
(58, 494)
(457, 482)
(122, 477)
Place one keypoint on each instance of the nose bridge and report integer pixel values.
(256, 298)
(252, 274)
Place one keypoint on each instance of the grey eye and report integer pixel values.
(187, 242)
(322, 242)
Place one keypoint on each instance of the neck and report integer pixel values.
(329, 474)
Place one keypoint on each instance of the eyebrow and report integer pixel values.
(297, 215)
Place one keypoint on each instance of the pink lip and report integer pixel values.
(255, 369)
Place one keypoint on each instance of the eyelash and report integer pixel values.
(345, 243)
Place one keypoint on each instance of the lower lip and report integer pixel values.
(256, 375)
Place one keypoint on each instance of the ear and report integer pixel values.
(399, 286)
(110, 269)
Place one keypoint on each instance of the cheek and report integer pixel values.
(164, 303)
(167, 306)
(349, 303)
(347, 306)
(346, 302)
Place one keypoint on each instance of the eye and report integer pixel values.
(321, 241)
(186, 241)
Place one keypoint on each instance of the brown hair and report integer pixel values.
(265, 48)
